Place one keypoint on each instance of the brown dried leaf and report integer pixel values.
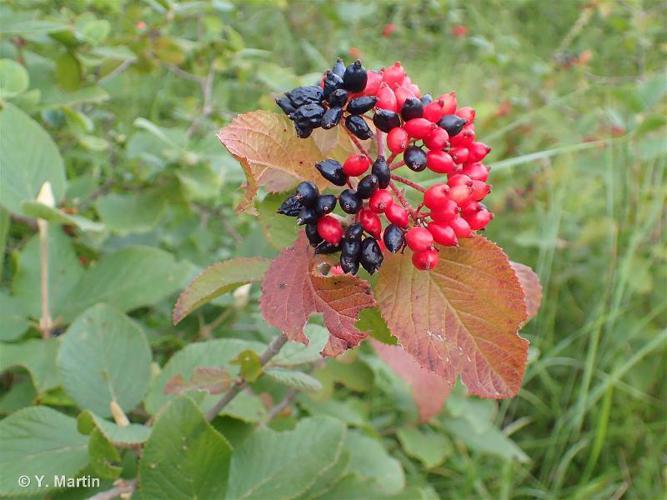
(293, 289)
(461, 318)
(213, 380)
(531, 288)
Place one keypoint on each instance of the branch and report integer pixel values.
(408, 182)
(278, 408)
(396, 165)
(122, 488)
(379, 137)
(357, 143)
(273, 348)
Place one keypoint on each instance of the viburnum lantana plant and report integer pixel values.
(449, 301)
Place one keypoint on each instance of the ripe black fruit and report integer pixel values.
(367, 186)
(350, 247)
(354, 232)
(426, 99)
(332, 82)
(285, 104)
(358, 126)
(349, 263)
(360, 105)
(332, 171)
(290, 207)
(349, 201)
(393, 237)
(381, 170)
(355, 77)
(307, 215)
(305, 95)
(307, 193)
(339, 67)
(325, 204)
(338, 98)
(308, 115)
(415, 158)
(371, 255)
(325, 248)
(452, 124)
(386, 120)
(412, 108)
(313, 236)
(303, 131)
(331, 117)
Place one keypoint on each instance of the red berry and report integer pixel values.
(402, 94)
(446, 212)
(443, 234)
(397, 140)
(459, 155)
(440, 162)
(372, 83)
(436, 196)
(467, 113)
(370, 221)
(476, 171)
(478, 151)
(448, 103)
(330, 229)
(397, 215)
(336, 271)
(419, 128)
(437, 140)
(461, 227)
(380, 200)
(425, 260)
(461, 194)
(394, 75)
(386, 98)
(434, 111)
(356, 165)
(479, 219)
(471, 208)
(464, 138)
(419, 239)
(459, 180)
(480, 190)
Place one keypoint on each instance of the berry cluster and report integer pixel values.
(421, 133)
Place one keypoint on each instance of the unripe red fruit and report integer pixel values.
(419, 128)
(356, 165)
(446, 212)
(440, 162)
(437, 139)
(467, 113)
(394, 75)
(380, 201)
(397, 140)
(478, 220)
(478, 151)
(386, 98)
(373, 83)
(480, 190)
(370, 221)
(459, 180)
(443, 234)
(425, 260)
(448, 103)
(397, 215)
(434, 111)
(476, 171)
(436, 195)
(403, 94)
(471, 208)
(330, 229)
(419, 239)
(461, 227)
(464, 138)
(459, 155)
(461, 194)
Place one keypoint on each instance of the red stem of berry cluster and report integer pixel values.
(396, 165)
(408, 182)
(379, 137)
(404, 201)
(356, 142)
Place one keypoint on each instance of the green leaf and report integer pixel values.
(40, 211)
(249, 363)
(104, 459)
(370, 460)
(53, 97)
(93, 31)
(295, 353)
(216, 280)
(429, 447)
(28, 158)
(105, 356)
(199, 182)
(14, 78)
(4, 232)
(185, 456)
(273, 464)
(130, 278)
(39, 441)
(490, 441)
(128, 435)
(278, 229)
(371, 322)
(38, 357)
(296, 379)
(68, 71)
(12, 317)
(131, 213)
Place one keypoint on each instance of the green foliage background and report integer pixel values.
(571, 95)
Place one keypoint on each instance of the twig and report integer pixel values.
(183, 74)
(121, 488)
(357, 143)
(117, 70)
(397, 165)
(403, 200)
(391, 158)
(278, 408)
(408, 182)
(379, 137)
(273, 348)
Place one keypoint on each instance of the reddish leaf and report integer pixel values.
(461, 318)
(292, 290)
(429, 390)
(531, 288)
(273, 157)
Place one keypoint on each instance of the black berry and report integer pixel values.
(355, 77)
(354, 232)
(367, 186)
(305, 95)
(307, 215)
(308, 115)
(349, 263)
(426, 99)
(381, 170)
(331, 117)
(313, 236)
(393, 237)
(452, 124)
(338, 98)
(371, 255)
(359, 105)
(285, 104)
(415, 158)
(412, 108)
(358, 126)
(325, 248)
(332, 82)
(339, 67)
(290, 207)
(307, 193)
(325, 204)
(386, 120)
(332, 171)
(349, 201)
(350, 247)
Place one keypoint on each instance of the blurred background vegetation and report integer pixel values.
(570, 94)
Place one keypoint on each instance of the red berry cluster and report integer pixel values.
(420, 132)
